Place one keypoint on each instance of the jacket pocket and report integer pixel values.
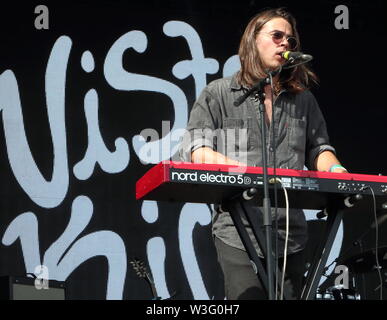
(237, 134)
(297, 135)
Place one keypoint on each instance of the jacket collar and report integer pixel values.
(234, 85)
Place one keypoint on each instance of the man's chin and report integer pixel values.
(273, 66)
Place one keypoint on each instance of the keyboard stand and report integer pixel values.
(334, 213)
(334, 218)
(236, 207)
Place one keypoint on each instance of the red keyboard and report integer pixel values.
(210, 183)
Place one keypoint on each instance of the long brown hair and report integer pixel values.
(295, 79)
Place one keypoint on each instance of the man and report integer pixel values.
(300, 139)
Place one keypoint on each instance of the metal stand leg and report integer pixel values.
(236, 208)
(314, 275)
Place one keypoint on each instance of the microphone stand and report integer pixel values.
(267, 219)
(258, 90)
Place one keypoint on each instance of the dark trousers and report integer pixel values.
(241, 282)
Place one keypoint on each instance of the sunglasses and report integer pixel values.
(279, 36)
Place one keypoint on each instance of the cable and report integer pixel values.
(273, 138)
(286, 235)
(378, 267)
(286, 241)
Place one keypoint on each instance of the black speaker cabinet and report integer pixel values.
(25, 288)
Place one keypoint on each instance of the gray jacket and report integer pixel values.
(300, 135)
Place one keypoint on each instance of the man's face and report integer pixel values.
(270, 47)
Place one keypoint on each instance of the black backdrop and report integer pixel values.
(349, 63)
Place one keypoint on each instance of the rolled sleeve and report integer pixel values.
(194, 139)
(317, 134)
(205, 117)
(313, 154)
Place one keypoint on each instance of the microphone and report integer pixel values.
(295, 56)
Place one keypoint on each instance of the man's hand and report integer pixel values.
(327, 160)
(340, 170)
(209, 156)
